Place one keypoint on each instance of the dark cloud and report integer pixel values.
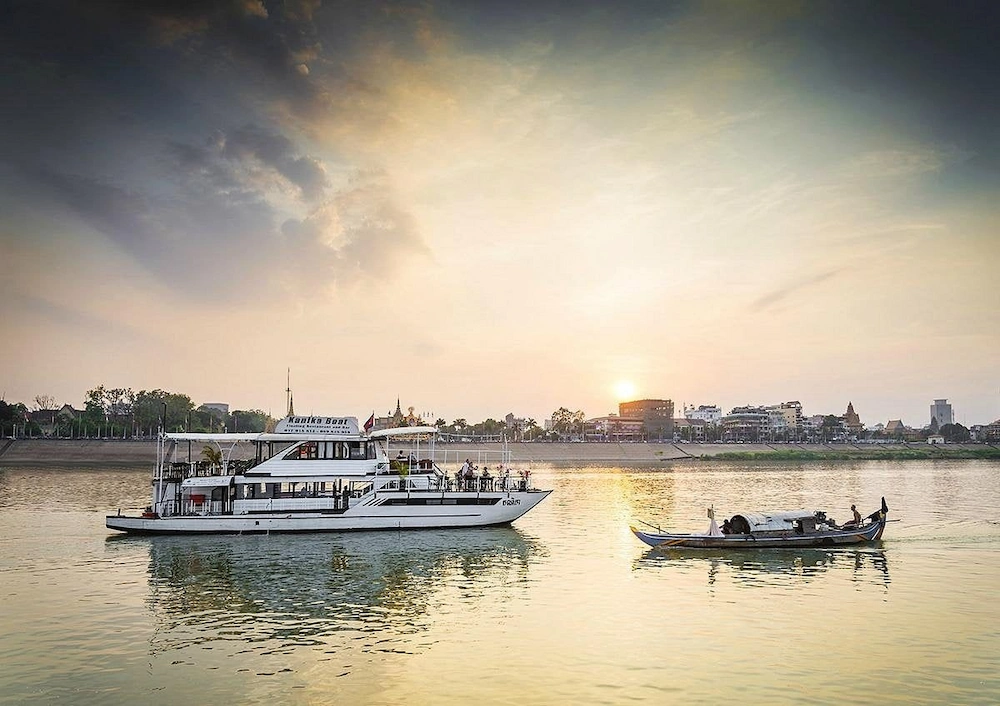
(795, 287)
(192, 239)
(277, 152)
(928, 68)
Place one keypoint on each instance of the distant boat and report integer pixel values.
(765, 530)
(324, 474)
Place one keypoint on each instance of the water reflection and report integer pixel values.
(282, 591)
(768, 567)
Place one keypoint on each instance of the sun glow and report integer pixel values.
(624, 390)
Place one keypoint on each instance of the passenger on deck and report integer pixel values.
(857, 516)
(726, 527)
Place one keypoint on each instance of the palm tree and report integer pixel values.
(212, 455)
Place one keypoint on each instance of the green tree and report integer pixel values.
(832, 426)
(955, 433)
(566, 422)
(250, 420)
(12, 414)
(212, 455)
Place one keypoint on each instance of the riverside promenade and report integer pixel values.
(86, 452)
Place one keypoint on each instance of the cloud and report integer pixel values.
(360, 233)
(277, 152)
(796, 286)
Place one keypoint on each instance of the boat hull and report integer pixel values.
(833, 538)
(362, 517)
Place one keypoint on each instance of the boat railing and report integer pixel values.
(179, 470)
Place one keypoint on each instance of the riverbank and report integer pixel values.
(101, 453)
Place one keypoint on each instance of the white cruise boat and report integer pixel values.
(323, 474)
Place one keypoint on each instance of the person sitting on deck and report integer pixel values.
(857, 521)
(727, 528)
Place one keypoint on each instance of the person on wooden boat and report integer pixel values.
(857, 515)
(713, 527)
(727, 528)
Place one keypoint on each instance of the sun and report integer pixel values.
(624, 390)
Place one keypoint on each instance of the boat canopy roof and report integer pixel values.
(206, 481)
(199, 436)
(768, 521)
(402, 431)
(258, 436)
(304, 432)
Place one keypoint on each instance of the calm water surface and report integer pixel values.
(564, 607)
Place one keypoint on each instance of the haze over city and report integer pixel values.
(493, 207)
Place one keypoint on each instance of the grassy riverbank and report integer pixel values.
(896, 454)
(93, 452)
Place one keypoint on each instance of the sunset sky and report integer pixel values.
(496, 207)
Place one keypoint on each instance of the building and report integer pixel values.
(686, 429)
(394, 420)
(852, 421)
(614, 429)
(710, 413)
(746, 424)
(941, 412)
(657, 416)
(785, 420)
(51, 421)
(895, 429)
(219, 409)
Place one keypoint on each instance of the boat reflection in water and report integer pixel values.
(768, 567)
(375, 589)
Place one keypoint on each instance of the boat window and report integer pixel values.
(308, 450)
(357, 450)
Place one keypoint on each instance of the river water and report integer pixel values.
(565, 606)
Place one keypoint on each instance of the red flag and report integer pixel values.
(370, 423)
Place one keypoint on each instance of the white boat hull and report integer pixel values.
(364, 516)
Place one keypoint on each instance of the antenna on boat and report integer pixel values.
(288, 394)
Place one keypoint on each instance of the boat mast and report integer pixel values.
(159, 460)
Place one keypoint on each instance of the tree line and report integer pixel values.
(122, 413)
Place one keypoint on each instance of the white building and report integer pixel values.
(942, 412)
(221, 409)
(707, 413)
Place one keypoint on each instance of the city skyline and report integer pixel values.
(504, 206)
(427, 414)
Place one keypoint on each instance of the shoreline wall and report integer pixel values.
(84, 452)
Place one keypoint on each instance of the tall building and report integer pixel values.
(710, 413)
(942, 412)
(786, 419)
(657, 416)
(748, 423)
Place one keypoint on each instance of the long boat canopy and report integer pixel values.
(770, 521)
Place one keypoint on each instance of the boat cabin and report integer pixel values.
(775, 524)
